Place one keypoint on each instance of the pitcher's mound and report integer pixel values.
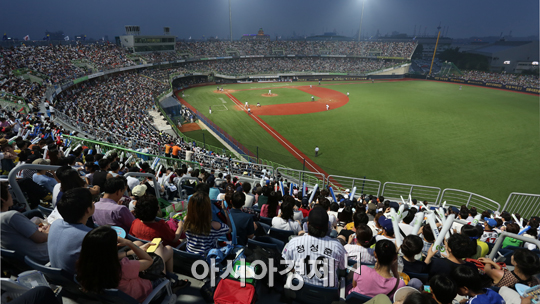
(269, 95)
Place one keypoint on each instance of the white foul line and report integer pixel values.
(264, 125)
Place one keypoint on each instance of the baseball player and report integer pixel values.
(312, 98)
(210, 109)
(327, 107)
(347, 94)
(269, 92)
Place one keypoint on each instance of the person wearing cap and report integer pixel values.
(41, 178)
(317, 246)
(387, 229)
(489, 235)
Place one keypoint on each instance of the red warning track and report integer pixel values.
(284, 142)
(333, 99)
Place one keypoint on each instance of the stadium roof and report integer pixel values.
(498, 47)
(169, 102)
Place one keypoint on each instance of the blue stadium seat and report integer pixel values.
(356, 298)
(13, 262)
(59, 277)
(424, 277)
(282, 235)
(183, 260)
(313, 294)
(266, 220)
(266, 242)
(45, 211)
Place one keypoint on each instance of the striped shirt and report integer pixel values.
(305, 250)
(200, 244)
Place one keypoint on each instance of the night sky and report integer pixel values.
(97, 18)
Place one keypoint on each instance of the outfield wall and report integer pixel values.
(508, 87)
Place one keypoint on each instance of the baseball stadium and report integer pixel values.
(129, 166)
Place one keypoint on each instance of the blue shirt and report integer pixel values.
(243, 222)
(489, 297)
(214, 192)
(44, 181)
(65, 241)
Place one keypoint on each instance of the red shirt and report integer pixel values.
(305, 212)
(150, 231)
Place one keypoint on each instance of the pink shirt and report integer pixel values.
(370, 283)
(131, 283)
(264, 210)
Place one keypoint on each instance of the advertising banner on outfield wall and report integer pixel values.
(488, 84)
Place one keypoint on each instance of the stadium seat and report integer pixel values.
(266, 227)
(313, 294)
(183, 261)
(424, 277)
(115, 296)
(12, 262)
(282, 235)
(45, 211)
(266, 220)
(58, 277)
(266, 242)
(356, 298)
(134, 238)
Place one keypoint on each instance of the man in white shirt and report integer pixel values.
(131, 180)
(316, 250)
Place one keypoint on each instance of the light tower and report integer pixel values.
(361, 17)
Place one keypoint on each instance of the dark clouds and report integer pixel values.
(97, 18)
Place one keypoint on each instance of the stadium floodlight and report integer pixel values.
(506, 62)
(535, 63)
(230, 20)
(361, 17)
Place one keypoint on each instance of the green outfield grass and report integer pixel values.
(208, 138)
(289, 95)
(429, 133)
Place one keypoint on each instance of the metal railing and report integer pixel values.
(504, 235)
(106, 147)
(301, 176)
(424, 193)
(523, 203)
(456, 197)
(363, 185)
(12, 177)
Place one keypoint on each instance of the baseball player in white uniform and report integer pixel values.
(327, 107)
(246, 104)
(269, 92)
(315, 247)
(347, 93)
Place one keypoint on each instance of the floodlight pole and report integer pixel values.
(230, 20)
(435, 51)
(361, 17)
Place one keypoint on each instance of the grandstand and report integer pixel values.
(89, 103)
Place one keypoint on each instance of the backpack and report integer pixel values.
(229, 291)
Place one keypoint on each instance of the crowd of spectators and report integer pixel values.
(118, 106)
(30, 93)
(268, 47)
(276, 65)
(324, 228)
(502, 78)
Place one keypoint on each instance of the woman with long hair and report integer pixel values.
(100, 266)
(201, 232)
(271, 208)
(285, 221)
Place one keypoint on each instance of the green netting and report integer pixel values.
(449, 69)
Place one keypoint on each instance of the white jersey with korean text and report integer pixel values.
(306, 248)
(489, 237)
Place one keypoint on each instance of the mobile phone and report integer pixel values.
(153, 248)
(427, 288)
